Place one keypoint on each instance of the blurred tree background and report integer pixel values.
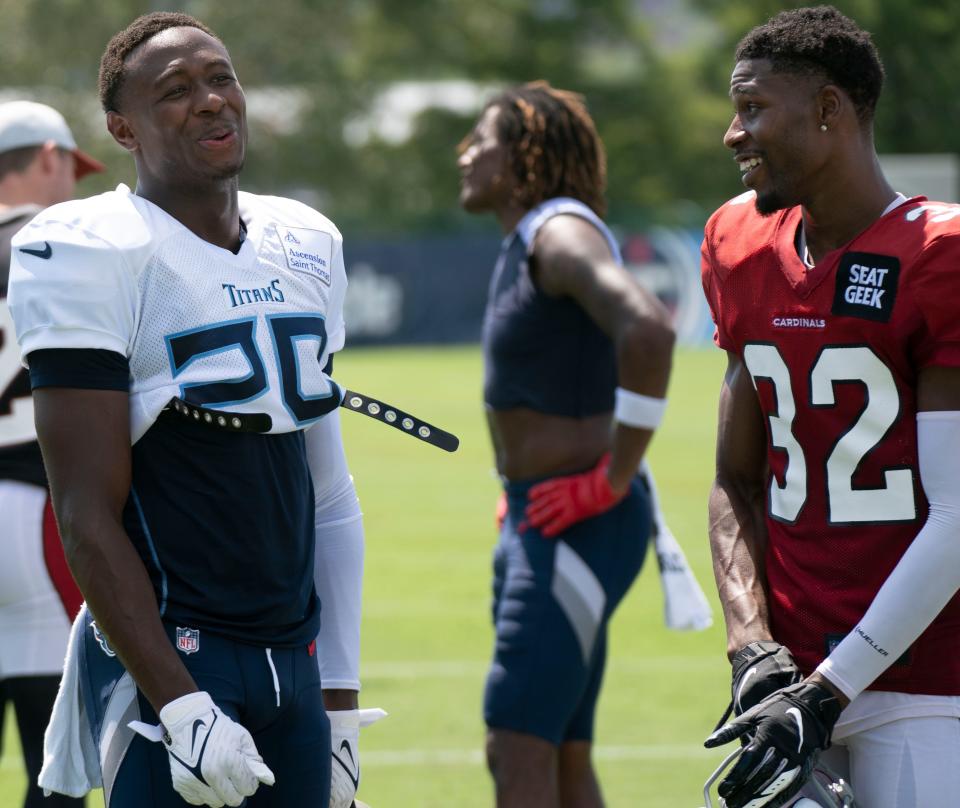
(357, 106)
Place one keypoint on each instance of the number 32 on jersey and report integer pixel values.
(891, 502)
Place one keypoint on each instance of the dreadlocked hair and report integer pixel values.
(122, 44)
(553, 145)
(821, 41)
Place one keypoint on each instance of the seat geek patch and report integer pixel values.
(866, 286)
(307, 250)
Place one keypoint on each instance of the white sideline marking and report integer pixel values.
(465, 668)
(474, 757)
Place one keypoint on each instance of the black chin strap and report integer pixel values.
(261, 422)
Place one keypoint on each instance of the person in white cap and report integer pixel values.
(39, 158)
(39, 165)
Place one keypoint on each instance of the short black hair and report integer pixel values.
(820, 40)
(112, 63)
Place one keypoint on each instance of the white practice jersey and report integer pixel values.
(249, 332)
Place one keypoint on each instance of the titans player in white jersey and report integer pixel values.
(179, 342)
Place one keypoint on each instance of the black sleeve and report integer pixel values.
(83, 368)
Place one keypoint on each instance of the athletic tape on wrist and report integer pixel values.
(637, 410)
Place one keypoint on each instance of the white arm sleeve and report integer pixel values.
(925, 578)
(338, 563)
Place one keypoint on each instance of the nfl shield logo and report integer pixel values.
(188, 640)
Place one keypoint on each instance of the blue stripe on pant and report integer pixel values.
(293, 738)
(553, 599)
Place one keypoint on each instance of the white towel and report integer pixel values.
(71, 763)
(685, 607)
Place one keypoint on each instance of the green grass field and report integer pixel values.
(427, 637)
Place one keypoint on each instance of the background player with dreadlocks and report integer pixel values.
(577, 360)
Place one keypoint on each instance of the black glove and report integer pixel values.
(787, 731)
(759, 669)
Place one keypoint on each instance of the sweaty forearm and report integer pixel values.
(119, 593)
(85, 438)
(737, 543)
(629, 447)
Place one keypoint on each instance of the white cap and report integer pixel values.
(26, 123)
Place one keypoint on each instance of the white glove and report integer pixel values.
(345, 748)
(213, 760)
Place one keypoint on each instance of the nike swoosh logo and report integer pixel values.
(795, 714)
(195, 769)
(198, 724)
(346, 743)
(46, 252)
(353, 779)
(743, 684)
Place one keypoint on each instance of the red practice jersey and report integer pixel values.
(834, 353)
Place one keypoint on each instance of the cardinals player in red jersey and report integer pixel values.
(835, 513)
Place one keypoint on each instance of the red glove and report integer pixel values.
(558, 503)
(502, 508)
